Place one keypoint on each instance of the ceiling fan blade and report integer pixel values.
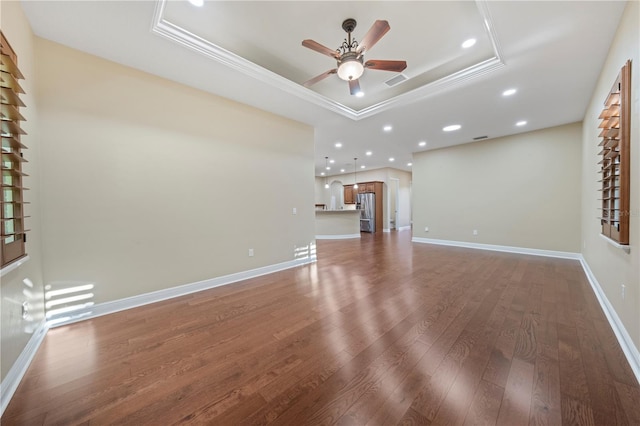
(314, 45)
(375, 33)
(318, 78)
(377, 64)
(354, 87)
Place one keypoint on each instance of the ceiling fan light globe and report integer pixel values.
(350, 69)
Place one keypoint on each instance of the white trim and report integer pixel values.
(404, 228)
(625, 248)
(170, 293)
(625, 341)
(492, 247)
(483, 8)
(337, 237)
(163, 27)
(15, 265)
(19, 368)
(386, 229)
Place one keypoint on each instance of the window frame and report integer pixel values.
(615, 159)
(12, 201)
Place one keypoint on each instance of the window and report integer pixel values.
(614, 164)
(12, 226)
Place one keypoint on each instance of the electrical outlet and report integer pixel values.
(426, 229)
(623, 290)
(475, 232)
(250, 252)
(295, 211)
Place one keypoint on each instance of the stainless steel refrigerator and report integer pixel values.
(367, 205)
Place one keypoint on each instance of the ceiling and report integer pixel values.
(250, 51)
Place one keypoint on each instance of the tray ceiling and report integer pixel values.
(237, 33)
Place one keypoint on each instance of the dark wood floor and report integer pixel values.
(380, 331)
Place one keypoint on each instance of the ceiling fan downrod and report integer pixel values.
(348, 45)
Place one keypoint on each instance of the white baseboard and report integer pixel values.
(169, 293)
(19, 368)
(405, 228)
(626, 343)
(492, 247)
(386, 229)
(337, 237)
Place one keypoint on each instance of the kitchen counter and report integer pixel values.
(337, 224)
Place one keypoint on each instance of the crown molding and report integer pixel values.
(164, 28)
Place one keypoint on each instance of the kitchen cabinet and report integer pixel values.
(363, 188)
(349, 196)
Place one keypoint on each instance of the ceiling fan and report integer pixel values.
(350, 55)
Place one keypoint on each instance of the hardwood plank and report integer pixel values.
(399, 401)
(413, 418)
(576, 412)
(300, 389)
(516, 403)
(629, 397)
(617, 364)
(465, 386)
(379, 331)
(485, 405)
(573, 379)
(546, 408)
(349, 382)
(606, 405)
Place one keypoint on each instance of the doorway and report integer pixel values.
(394, 203)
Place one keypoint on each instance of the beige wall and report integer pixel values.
(521, 191)
(612, 266)
(148, 184)
(14, 330)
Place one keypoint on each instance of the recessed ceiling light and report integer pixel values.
(451, 128)
(509, 92)
(423, 143)
(409, 164)
(387, 128)
(322, 174)
(468, 43)
(332, 161)
(341, 170)
(338, 145)
(521, 123)
(328, 168)
(368, 153)
(363, 166)
(392, 159)
(197, 2)
(360, 94)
